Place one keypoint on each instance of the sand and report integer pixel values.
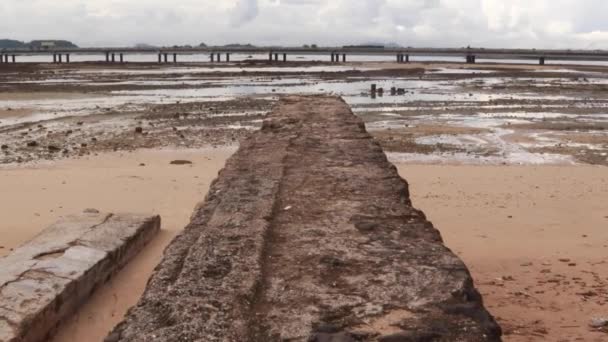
(35, 196)
(510, 224)
(534, 237)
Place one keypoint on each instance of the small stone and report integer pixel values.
(139, 130)
(91, 211)
(181, 162)
(80, 123)
(32, 144)
(53, 148)
(142, 164)
(69, 131)
(113, 337)
(4, 147)
(599, 323)
(564, 260)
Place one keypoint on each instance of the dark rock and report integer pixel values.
(181, 162)
(366, 226)
(53, 148)
(4, 147)
(411, 337)
(139, 130)
(336, 337)
(32, 144)
(114, 337)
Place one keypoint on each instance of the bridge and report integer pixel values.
(334, 54)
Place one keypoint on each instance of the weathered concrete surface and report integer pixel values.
(308, 234)
(46, 279)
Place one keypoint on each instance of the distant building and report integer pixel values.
(51, 44)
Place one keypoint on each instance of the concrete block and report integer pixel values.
(48, 278)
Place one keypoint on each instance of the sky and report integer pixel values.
(418, 23)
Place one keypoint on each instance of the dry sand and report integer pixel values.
(35, 196)
(511, 225)
(534, 237)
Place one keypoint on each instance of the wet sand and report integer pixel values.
(534, 238)
(35, 196)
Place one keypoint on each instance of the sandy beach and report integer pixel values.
(114, 182)
(534, 237)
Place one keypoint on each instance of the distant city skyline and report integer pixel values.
(430, 23)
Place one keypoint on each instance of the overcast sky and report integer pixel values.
(449, 23)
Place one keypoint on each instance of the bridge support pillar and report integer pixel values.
(276, 57)
(54, 58)
(1, 59)
(160, 58)
(343, 58)
(399, 58)
(212, 57)
(227, 57)
(174, 58)
(122, 59)
(471, 59)
(270, 56)
(113, 57)
(166, 55)
(333, 57)
(107, 57)
(60, 60)
(284, 57)
(67, 58)
(219, 57)
(541, 61)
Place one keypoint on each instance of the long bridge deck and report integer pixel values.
(337, 54)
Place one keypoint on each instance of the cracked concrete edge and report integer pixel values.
(46, 279)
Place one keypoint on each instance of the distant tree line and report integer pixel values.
(36, 44)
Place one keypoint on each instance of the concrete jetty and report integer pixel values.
(309, 234)
(48, 278)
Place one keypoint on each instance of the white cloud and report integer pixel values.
(488, 23)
